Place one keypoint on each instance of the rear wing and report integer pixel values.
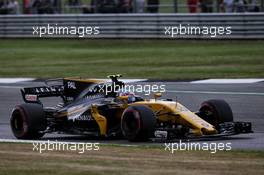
(32, 94)
(68, 89)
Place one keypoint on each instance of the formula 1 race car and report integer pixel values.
(87, 109)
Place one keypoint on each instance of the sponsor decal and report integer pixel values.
(30, 97)
(71, 85)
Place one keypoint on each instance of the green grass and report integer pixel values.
(20, 159)
(153, 59)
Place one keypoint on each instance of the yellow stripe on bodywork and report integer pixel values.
(85, 80)
(101, 120)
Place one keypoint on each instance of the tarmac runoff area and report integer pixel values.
(245, 96)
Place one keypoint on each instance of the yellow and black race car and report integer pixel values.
(86, 109)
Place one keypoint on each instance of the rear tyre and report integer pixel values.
(27, 120)
(138, 123)
(216, 112)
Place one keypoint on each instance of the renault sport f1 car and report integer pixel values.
(87, 110)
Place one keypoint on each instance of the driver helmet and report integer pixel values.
(131, 96)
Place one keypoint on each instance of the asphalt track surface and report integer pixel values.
(246, 101)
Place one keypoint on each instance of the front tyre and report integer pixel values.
(138, 123)
(27, 120)
(216, 112)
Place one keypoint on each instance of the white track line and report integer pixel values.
(218, 93)
(61, 142)
(228, 81)
(11, 87)
(36, 141)
(14, 80)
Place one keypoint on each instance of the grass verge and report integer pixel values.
(20, 159)
(153, 59)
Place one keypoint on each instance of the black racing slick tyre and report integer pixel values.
(27, 120)
(216, 112)
(138, 123)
